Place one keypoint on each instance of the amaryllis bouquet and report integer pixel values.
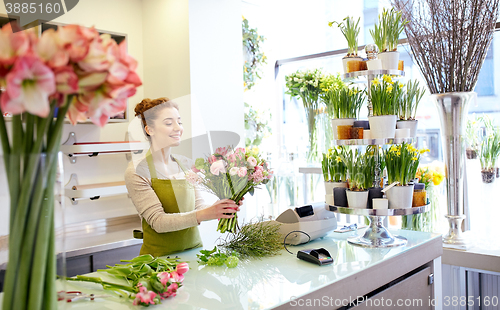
(72, 71)
(230, 174)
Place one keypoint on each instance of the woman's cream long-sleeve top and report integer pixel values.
(149, 207)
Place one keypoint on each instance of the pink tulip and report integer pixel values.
(176, 277)
(182, 268)
(218, 167)
(29, 85)
(252, 161)
(242, 172)
(144, 297)
(164, 277)
(50, 49)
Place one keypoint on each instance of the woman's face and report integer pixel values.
(166, 130)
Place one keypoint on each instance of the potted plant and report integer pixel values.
(471, 137)
(360, 168)
(385, 96)
(488, 155)
(407, 109)
(350, 29)
(334, 172)
(401, 163)
(306, 86)
(342, 102)
(386, 37)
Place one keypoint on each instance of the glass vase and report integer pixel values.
(32, 249)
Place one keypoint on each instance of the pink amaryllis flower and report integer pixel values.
(96, 58)
(144, 297)
(76, 40)
(12, 45)
(29, 84)
(50, 49)
(182, 268)
(66, 80)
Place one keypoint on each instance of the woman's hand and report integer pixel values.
(224, 208)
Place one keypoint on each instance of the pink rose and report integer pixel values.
(218, 167)
(242, 172)
(234, 171)
(252, 161)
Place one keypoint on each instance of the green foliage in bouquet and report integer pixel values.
(386, 96)
(255, 57)
(402, 162)
(410, 100)
(334, 169)
(255, 240)
(350, 29)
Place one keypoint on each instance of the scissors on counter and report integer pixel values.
(77, 295)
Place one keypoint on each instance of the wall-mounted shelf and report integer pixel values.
(73, 149)
(76, 192)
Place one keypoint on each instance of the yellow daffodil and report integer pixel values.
(387, 79)
(375, 81)
(338, 159)
(389, 89)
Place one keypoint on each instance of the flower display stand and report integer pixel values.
(377, 235)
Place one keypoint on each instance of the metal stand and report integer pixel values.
(377, 235)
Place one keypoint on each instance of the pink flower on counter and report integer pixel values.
(182, 268)
(164, 277)
(218, 167)
(29, 85)
(242, 172)
(176, 277)
(144, 297)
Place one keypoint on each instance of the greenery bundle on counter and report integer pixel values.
(259, 240)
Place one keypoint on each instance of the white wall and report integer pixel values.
(183, 48)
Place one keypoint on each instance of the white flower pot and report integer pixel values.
(374, 64)
(383, 126)
(390, 60)
(340, 122)
(329, 186)
(402, 133)
(357, 200)
(346, 59)
(400, 197)
(411, 124)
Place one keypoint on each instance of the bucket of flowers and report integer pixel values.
(230, 174)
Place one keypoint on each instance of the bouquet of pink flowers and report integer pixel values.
(230, 174)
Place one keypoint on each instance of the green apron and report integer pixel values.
(176, 196)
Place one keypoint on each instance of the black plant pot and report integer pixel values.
(418, 186)
(365, 124)
(374, 192)
(488, 176)
(498, 172)
(340, 197)
(471, 153)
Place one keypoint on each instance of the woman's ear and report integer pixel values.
(148, 130)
